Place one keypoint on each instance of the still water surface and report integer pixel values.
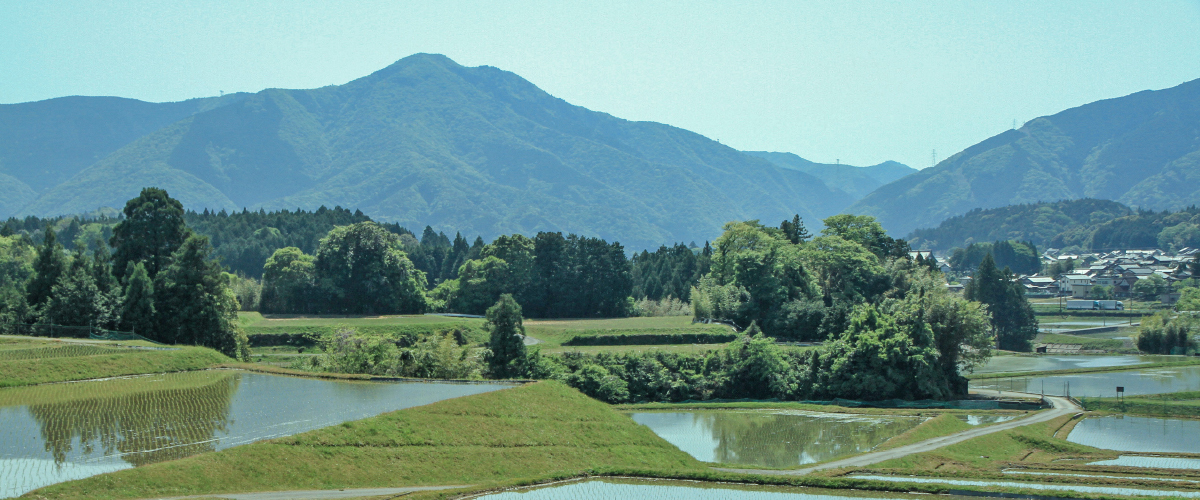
(59, 432)
(681, 490)
(1006, 364)
(1104, 384)
(1152, 462)
(773, 438)
(1138, 434)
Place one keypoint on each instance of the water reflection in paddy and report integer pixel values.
(59, 432)
(1144, 434)
(985, 419)
(773, 438)
(684, 490)
(1152, 462)
(1104, 384)
(1012, 364)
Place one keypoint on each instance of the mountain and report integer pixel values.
(47, 142)
(1142, 150)
(1058, 224)
(855, 181)
(427, 141)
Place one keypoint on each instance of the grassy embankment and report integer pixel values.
(535, 431)
(653, 334)
(1172, 404)
(32, 360)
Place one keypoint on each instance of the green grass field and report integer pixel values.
(553, 333)
(538, 430)
(257, 320)
(33, 360)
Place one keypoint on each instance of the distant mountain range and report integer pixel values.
(855, 181)
(1142, 150)
(424, 141)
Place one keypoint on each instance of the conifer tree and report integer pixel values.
(48, 266)
(195, 304)
(152, 230)
(507, 345)
(1012, 317)
(137, 305)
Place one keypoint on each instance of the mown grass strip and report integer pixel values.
(526, 432)
(650, 338)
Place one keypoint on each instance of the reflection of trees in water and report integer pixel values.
(144, 427)
(775, 440)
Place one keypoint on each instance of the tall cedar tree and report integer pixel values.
(137, 305)
(194, 302)
(74, 299)
(153, 229)
(507, 359)
(49, 265)
(1012, 317)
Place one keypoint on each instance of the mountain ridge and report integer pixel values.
(428, 141)
(1142, 150)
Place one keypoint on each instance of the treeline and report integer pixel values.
(902, 334)
(160, 282)
(1075, 226)
(243, 241)
(551, 275)
(1020, 256)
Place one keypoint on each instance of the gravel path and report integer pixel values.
(1062, 406)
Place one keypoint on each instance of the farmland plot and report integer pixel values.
(1102, 384)
(58, 432)
(773, 438)
(1138, 434)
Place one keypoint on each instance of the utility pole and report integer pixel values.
(933, 158)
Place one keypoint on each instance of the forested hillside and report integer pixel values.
(1142, 150)
(44, 143)
(1074, 226)
(855, 181)
(1048, 225)
(426, 141)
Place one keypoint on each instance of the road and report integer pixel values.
(318, 494)
(1061, 407)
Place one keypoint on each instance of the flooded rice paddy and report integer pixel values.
(1152, 462)
(773, 438)
(1105, 490)
(59, 432)
(1012, 364)
(1103, 384)
(985, 419)
(1138, 434)
(682, 490)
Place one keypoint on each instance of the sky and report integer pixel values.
(848, 81)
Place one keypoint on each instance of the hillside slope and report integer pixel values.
(47, 142)
(1059, 224)
(477, 150)
(855, 181)
(1142, 150)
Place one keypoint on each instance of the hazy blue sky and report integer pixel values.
(861, 82)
